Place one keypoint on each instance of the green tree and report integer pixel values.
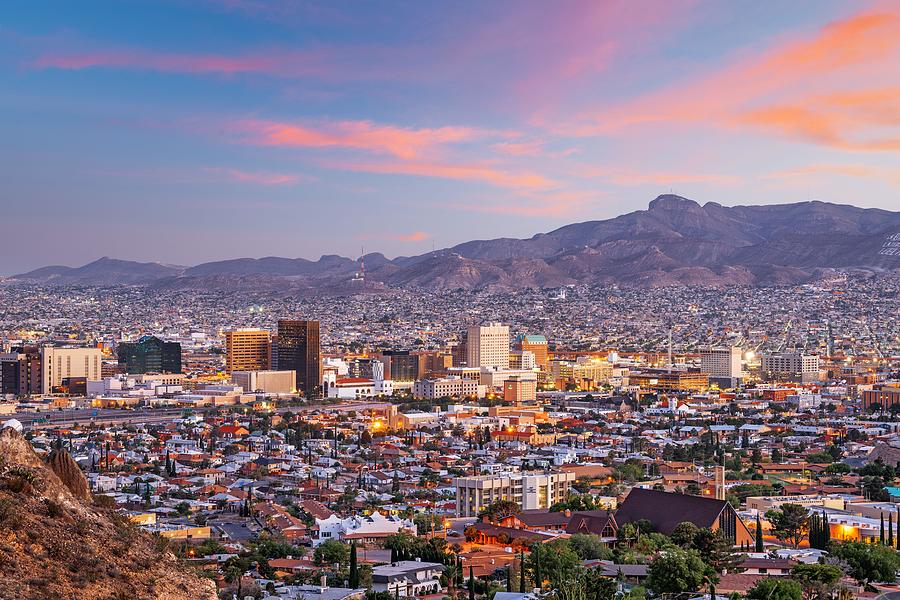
(676, 571)
(683, 535)
(775, 588)
(500, 510)
(868, 562)
(331, 552)
(183, 509)
(555, 561)
(589, 546)
(789, 524)
(354, 567)
(817, 581)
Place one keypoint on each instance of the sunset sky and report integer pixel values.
(185, 131)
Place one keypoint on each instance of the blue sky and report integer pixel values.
(191, 131)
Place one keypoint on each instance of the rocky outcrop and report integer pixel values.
(55, 544)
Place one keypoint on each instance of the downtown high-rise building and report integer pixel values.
(299, 351)
(149, 355)
(248, 350)
(488, 346)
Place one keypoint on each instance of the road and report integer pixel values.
(150, 416)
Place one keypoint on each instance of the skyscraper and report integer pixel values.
(488, 346)
(248, 350)
(298, 350)
(150, 355)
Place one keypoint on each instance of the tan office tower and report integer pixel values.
(488, 346)
(248, 350)
(58, 364)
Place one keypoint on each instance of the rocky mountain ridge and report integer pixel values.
(676, 241)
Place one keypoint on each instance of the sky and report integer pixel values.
(184, 131)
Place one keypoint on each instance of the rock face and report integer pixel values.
(54, 544)
(676, 241)
(69, 473)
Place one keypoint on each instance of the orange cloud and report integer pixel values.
(862, 120)
(401, 142)
(487, 174)
(846, 60)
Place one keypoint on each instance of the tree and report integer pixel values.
(759, 535)
(354, 567)
(331, 552)
(683, 535)
(868, 562)
(500, 510)
(789, 524)
(589, 546)
(555, 561)
(816, 580)
(675, 571)
(183, 508)
(775, 588)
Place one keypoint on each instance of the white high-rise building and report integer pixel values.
(488, 346)
(721, 362)
(61, 363)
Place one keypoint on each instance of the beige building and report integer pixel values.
(267, 382)
(448, 387)
(248, 350)
(531, 491)
(488, 346)
(58, 364)
(721, 362)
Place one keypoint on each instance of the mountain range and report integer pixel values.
(676, 241)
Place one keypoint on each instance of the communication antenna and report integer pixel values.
(670, 349)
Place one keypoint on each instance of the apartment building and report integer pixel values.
(530, 491)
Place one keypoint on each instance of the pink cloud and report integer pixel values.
(262, 178)
(283, 64)
(770, 91)
(415, 236)
(464, 172)
(364, 135)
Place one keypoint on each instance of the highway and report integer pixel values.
(151, 416)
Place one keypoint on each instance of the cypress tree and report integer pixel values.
(393, 555)
(471, 583)
(881, 531)
(826, 530)
(890, 539)
(521, 572)
(508, 578)
(354, 568)
(759, 535)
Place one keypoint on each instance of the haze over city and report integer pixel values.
(298, 129)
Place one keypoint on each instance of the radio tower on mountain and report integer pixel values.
(361, 274)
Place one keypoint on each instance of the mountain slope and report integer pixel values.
(676, 241)
(55, 544)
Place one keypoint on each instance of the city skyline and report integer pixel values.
(154, 132)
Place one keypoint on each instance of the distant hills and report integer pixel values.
(676, 241)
